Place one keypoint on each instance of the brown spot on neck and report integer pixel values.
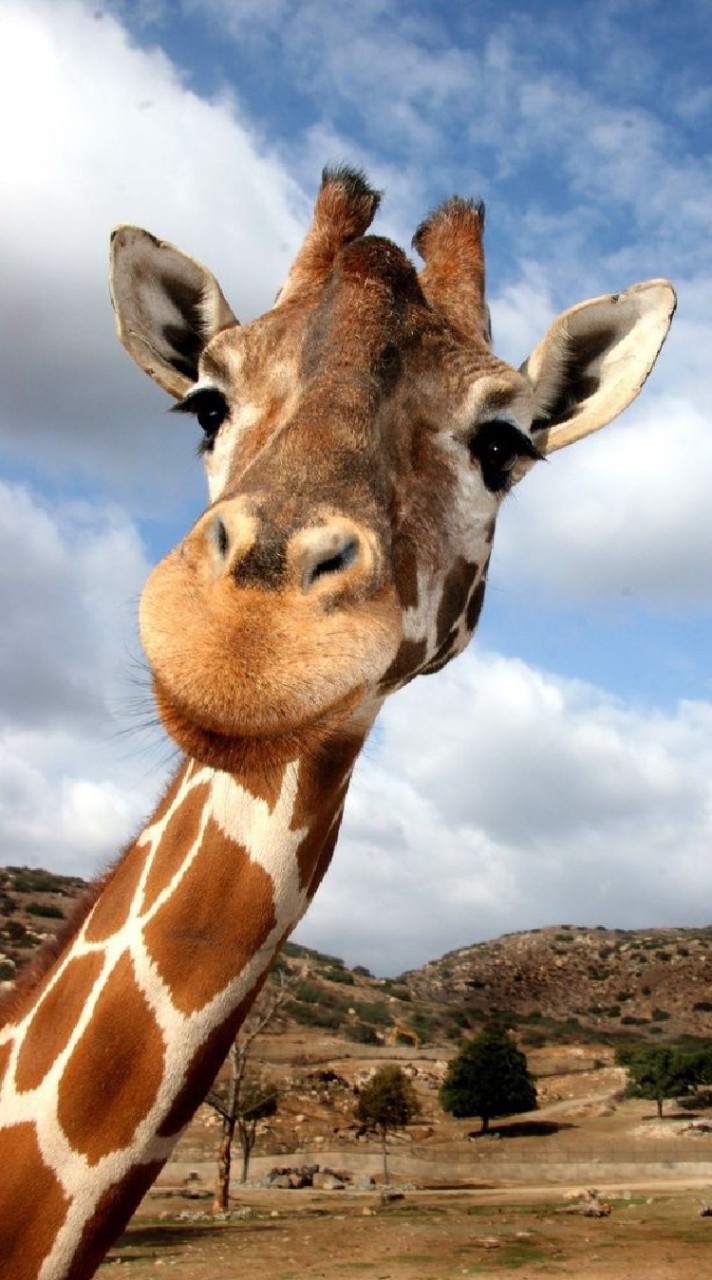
(111, 1215)
(112, 907)
(55, 1020)
(319, 807)
(5, 1051)
(200, 1073)
(179, 836)
(29, 1189)
(113, 1074)
(264, 784)
(218, 918)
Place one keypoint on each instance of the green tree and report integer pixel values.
(657, 1071)
(700, 1065)
(387, 1102)
(488, 1078)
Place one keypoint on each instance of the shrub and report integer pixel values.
(35, 880)
(398, 990)
(44, 909)
(311, 993)
(339, 975)
(311, 1015)
(533, 1039)
(373, 1011)
(359, 1033)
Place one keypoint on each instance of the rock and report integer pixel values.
(419, 1133)
(327, 1182)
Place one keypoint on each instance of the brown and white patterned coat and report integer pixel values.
(359, 439)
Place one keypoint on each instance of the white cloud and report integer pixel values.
(104, 132)
(504, 798)
(74, 781)
(549, 800)
(623, 515)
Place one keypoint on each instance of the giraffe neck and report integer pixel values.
(106, 1063)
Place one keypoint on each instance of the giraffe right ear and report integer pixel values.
(594, 360)
(167, 307)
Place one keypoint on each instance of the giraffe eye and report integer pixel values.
(211, 409)
(497, 446)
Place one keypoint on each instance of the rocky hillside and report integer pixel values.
(647, 982)
(33, 906)
(555, 984)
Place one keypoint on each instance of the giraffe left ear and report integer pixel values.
(594, 360)
(168, 306)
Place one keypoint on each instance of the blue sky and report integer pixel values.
(585, 706)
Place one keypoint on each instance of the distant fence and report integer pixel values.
(694, 1151)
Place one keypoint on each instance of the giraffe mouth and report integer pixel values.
(234, 666)
(232, 751)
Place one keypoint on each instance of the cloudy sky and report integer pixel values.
(559, 772)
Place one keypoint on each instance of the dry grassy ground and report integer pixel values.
(491, 1226)
(427, 1236)
(583, 1134)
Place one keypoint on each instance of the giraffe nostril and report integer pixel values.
(334, 563)
(220, 537)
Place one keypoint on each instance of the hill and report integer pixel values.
(553, 984)
(602, 982)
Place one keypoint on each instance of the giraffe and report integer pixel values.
(359, 439)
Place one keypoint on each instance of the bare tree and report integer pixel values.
(244, 1097)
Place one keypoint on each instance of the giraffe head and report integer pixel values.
(359, 439)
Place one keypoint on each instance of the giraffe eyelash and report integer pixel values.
(210, 407)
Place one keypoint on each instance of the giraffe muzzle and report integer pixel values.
(327, 560)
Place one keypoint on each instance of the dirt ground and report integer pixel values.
(654, 1229)
(655, 1233)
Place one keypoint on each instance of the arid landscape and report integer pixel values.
(426, 1236)
(458, 1203)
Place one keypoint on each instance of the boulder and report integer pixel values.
(327, 1181)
